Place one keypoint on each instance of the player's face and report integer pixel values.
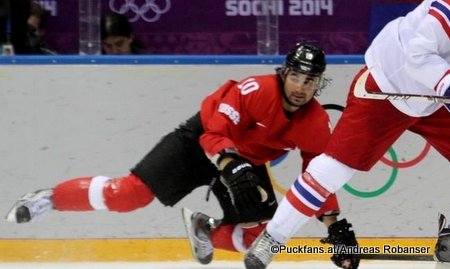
(117, 45)
(299, 89)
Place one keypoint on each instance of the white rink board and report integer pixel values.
(65, 121)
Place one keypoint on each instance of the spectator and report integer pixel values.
(117, 36)
(36, 30)
(13, 23)
(21, 26)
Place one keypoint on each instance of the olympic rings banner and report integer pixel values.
(229, 26)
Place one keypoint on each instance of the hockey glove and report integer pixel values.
(242, 184)
(442, 249)
(341, 235)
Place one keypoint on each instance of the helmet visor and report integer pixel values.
(304, 80)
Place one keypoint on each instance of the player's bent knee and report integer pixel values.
(329, 172)
(126, 194)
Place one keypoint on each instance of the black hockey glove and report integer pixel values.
(442, 249)
(341, 235)
(242, 184)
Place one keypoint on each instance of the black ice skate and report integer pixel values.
(442, 249)
(260, 253)
(30, 206)
(198, 229)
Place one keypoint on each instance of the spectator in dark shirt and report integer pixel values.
(21, 27)
(36, 30)
(117, 36)
(13, 23)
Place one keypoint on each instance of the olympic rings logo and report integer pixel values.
(392, 162)
(150, 11)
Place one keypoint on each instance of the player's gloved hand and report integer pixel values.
(242, 183)
(341, 235)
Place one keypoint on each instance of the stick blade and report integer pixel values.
(359, 91)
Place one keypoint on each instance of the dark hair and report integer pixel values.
(114, 24)
(38, 11)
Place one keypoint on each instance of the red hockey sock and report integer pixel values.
(250, 234)
(126, 194)
(235, 238)
(72, 195)
(222, 237)
(89, 193)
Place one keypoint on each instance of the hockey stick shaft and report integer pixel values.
(361, 92)
(397, 257)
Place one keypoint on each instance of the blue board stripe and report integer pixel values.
(166, 59)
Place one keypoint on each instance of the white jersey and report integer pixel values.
(412, 54)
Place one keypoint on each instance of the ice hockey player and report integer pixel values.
(240, 127)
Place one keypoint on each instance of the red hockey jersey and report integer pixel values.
(249, 116)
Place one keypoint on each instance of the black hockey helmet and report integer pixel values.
(306, 58)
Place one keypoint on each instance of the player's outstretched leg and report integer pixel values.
(260, 253)
(198, 229)
(30, 206)
(122, 194)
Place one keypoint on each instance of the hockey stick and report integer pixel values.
(361, 92)
(397, 257)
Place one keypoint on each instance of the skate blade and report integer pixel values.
(187, 214)
(11, 216)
